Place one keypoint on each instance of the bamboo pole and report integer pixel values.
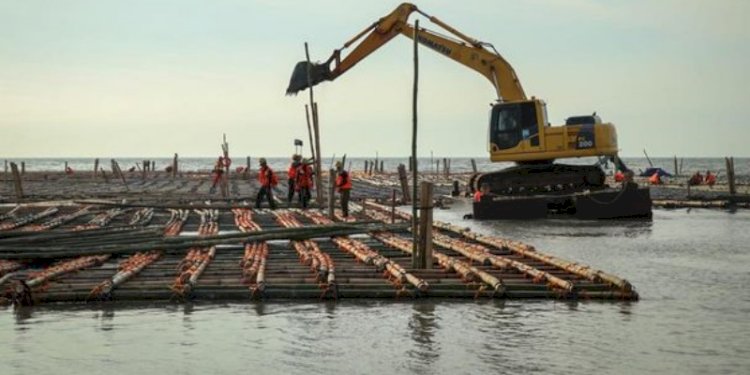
(393, 206)
(730, 175)
(676, 171)
(316, 129)
(473, 165)
(331, 192)
(423, 260)
(96, 166)
(174, 166)
(17, 184)
(23, 167)
(309, 131)
(415, 237)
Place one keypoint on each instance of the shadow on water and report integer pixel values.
(423, 325)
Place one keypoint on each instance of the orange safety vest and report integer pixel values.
(343, 181)
(304, 176)
(477, 196)
(655, 179)
(292, 171)
(710, 179)
(267, 177)
(619, 176)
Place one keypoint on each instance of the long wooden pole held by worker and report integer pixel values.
(316, 128)
(414, 148)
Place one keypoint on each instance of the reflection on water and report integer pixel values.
(689, 268)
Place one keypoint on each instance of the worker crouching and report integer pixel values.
(267, 180)
(344, 187)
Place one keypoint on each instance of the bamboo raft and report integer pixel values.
(85, 253)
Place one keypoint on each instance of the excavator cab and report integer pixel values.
(512, 123)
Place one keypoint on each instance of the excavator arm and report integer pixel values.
(468, 51)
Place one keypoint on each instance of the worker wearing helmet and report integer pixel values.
(292, 176)
(344, 187)
(267, 180)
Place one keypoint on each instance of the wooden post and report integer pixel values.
(423, 258)
(23, 167)
(331, 192)
(676, 171)
(96, 166)
(411, 163)
(117, 171)
(104, 175)
(144, 170)
(66, 167)
(437, 166)
(376, 162)
(414, 140)
(381, 166)
(404, 180)
(17, 180)
(393, 206)
(366, 162)
(446, 167)
(473, 165)
(174, 166)
(730, 175)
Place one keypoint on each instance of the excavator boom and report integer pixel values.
(465, 50)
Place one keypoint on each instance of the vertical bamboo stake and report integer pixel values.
(316, 128)
(381, 166)
(424, 256)
(309, 131)
(331, 192)
(174, 166)
(393, 206)
(415, 237)
(23, 167)
(676, 171)
(376, 162)
(96, 166)
(366, 165)
(730, 175)
(17, 181)
(473, 165)
(404, 180)
(411, 163)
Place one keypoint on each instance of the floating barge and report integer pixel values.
(624, 203)
(51, 252)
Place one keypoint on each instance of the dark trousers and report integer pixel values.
(265, 191)
(345, 202)
(304, 196)
(290, 194)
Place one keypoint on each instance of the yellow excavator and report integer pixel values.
(519, 130)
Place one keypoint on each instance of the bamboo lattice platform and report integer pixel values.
(373, 264)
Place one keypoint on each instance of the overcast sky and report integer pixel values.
(150, 78)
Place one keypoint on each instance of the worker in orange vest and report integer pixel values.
(484, 191)
(710, 179)
(218, 172)
(303, 183)
(291, 175)
(655, 179)
(344, 187)
(619, 176)
(267, 180)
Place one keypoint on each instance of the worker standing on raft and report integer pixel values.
(304, 182)
(710, 179)
(344, 187)
(655, 179)
(267, 180)
(291, 175)
(218, 172)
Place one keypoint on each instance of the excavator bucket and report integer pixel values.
(299, 81)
